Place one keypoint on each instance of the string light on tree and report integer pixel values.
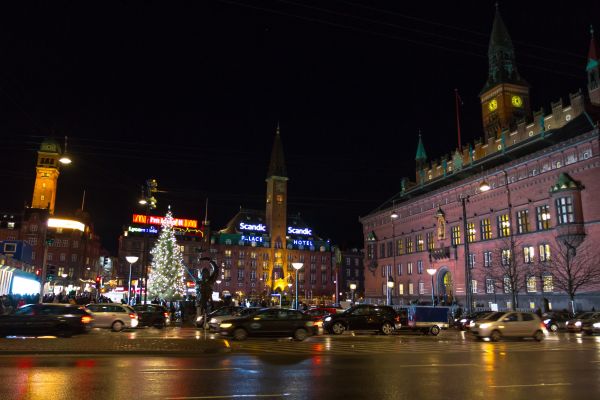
(166, 280)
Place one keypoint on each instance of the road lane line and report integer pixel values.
(433, 365)
(532, 385)
(231, 396)
(187, 369)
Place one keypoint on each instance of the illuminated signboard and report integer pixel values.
(299, 231)
(154, 220)
(65, 224)
(253, 227)
(139, 229)
(299, 242)
(257, 239)
(154, 230)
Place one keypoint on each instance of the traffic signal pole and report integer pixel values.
(44, 270)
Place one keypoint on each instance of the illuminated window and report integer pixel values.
(531, 284)
(409, 245)
(564, 210)
(409, 268)
(528, 254)
(227, 253)
(279, 198)
(410, 288)
(456, 235)
(503, 225)
(430, 242)
(548, 283)
(474, 286)
(523, 221)
(421, 287)
(486, 229)
(544, 252)
(506, 257)
(253, 255)
(399, 247)
(420, 243)
(471, 232)
(400, 289)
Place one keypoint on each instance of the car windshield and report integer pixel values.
(493, 316)
(585, 315)
(223, 311)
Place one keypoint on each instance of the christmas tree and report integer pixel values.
(167, 276)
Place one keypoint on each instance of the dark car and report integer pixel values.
(269, 322)
(591, 325)
(576, 324)
(152, 315)
(219, 312)
(319, 313)
(465, 322)
(555, 320)
(363, 317)
(46, 319)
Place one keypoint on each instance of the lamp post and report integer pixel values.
(297, 266)
(149, 201)
(353, 288)
(390, 287)
(393, 216)
(431, 271)
(468, 283)
(290, 287)
(131, 260)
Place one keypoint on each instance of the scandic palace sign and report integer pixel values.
(154, 220)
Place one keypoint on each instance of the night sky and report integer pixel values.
(190, 93)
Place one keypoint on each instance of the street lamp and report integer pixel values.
(431, 271)
(297, 266)
(393, 216)
(353, 288)
(131, 260)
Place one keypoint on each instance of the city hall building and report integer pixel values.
(510, 220)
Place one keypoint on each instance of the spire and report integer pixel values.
(277, 164)
(593, 52)
(501, 56)
(421, 155)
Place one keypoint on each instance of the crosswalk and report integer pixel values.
(327, 345)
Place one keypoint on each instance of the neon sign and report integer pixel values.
(257, 239)
(66, 224)
(154, 230)
(300, 242)
(154, 220)
(139, 229)
(299, 231)
(253, 227)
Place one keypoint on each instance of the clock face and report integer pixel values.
(493, 104)
(517, 101)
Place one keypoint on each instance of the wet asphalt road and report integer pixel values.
(347, 367)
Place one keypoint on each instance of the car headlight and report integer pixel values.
(483, 326)
(546, 321)
(578, 323)
(596, 325)
(327, 319)
(213, 321)
(199, 318)
(462, 321)
(226, 325)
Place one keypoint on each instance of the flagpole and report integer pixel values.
(457, 98)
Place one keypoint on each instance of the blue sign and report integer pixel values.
(139, 229)
(257, 239)
(299, 231)
(299, 242)
(253, 227)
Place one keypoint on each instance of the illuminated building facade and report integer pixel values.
(542, 169)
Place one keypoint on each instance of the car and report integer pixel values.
(113, 315)
(501, 324)
(221, 311)
(592, 325)
(317, 314)
(269, 322)
(465, 322)
(576, 324)
(363, 317)
(555, 320)
(152, 315)
(215, 320)
(46, 319)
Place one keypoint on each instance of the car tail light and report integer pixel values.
(166, 314)
(133, 315)
(397, 318)
(86, 319)
(543, 326)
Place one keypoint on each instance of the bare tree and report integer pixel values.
(572, 268)
(508, 268)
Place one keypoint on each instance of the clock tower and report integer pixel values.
(276, 209)
(46, 175)
(505, 96)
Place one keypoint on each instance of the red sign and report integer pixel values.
(154, 220)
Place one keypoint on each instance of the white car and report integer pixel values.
(113, 315)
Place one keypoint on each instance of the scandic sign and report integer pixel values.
(154, 220)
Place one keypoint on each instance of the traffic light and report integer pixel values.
(38, 273)
(98, 282)
(50, 272)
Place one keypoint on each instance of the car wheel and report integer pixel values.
(240, 334)
(65, 332)
(538, 336)
(434, 330)
(495, 336)
(117, 326)
(387, 328)
(300, 334)
(338, 328)
(553, 327)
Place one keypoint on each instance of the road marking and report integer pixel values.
(433, 365)
(231, 396)
(532, 385)
(187, 369)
